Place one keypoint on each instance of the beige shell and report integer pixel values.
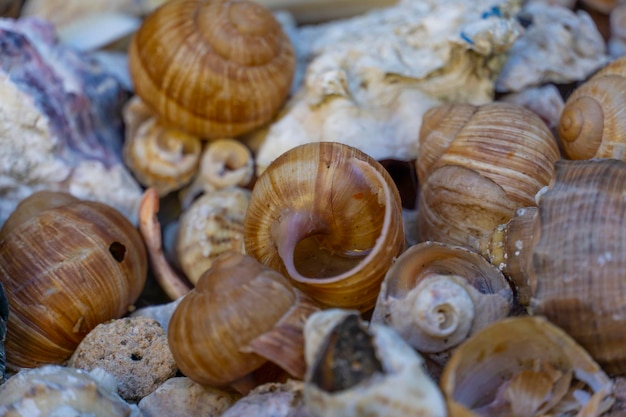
(354, 370)
(524, 367)
(592, 124)
(477, 165)
(224, 163)
(240, 315)
(210, 227)
(330, 218)
(66, 265)
(437, 295)
(569, 257)
(158, 156)
(215, 68)
(54, 390)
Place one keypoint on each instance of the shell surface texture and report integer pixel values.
(213, 68)
(436, 295)
(329, 217)
(477, 165)
(67, 265)
(240, 315)
(592, 123)
(524, 367)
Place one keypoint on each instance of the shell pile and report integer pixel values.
(381, 208)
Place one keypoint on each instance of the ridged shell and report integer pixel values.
(329, 217)
(592, 124)
(496, 156)
(524, 366)
(210, 227)
(239, 315)
(436, 295)
(578, 277)
(67, 265)
(213, 68)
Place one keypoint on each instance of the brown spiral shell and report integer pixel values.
(216, 68)
(592, 124)
(67, 265)
(329, 217)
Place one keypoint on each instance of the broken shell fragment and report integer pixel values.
(354, 370)
(436, 295)
(524, 367)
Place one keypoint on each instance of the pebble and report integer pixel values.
(134, 350)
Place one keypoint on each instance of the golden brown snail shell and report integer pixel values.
(67, 265)
(476, 166)
(240, 315)
(329, 217)
(213, 68)
(592, 124)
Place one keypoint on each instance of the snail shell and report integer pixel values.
(436, 295)
(592, 124)
(210, 227)
(329, 217)
(355, 370)
(240, 315)
(67, 265)
(158, 156)
(476, 166)
(213, 68)
(569, 257)
(524, 366)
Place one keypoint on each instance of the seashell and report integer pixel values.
(210, 227)
(270, 400)
(53, 390)
(477, 165)
(329, 217)
(436, 295)
(591, 124)
(215, 69)
(224, 163)
(4, 317)
(524, 366)
(240, 315)
(569, 262)
(158, 156)
(67, 265)
(353, 370)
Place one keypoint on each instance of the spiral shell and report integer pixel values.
(67, 265)
(524, 366)
(240, 315)
(477, 165)
(592, 124)
(436, 295)
(329, 217)
(215, 68)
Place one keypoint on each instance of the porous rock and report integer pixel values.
(134, 350)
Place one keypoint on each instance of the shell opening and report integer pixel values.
(436, 315)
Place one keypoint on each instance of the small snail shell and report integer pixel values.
(570, 259)
(212, 68)
(158, 156)
(494, 159)
(67, 265)
(329, 217)
(524, 366)
(240, 315)
(592, 124)
(355, 370)
(210, 227)
(436, 295)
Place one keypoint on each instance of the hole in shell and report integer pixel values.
(118, 251)
(135, 357)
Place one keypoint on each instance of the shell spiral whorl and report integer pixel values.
(214, 68)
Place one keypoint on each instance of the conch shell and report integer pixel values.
(567, 256)
(524, 367)
(329, 217)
